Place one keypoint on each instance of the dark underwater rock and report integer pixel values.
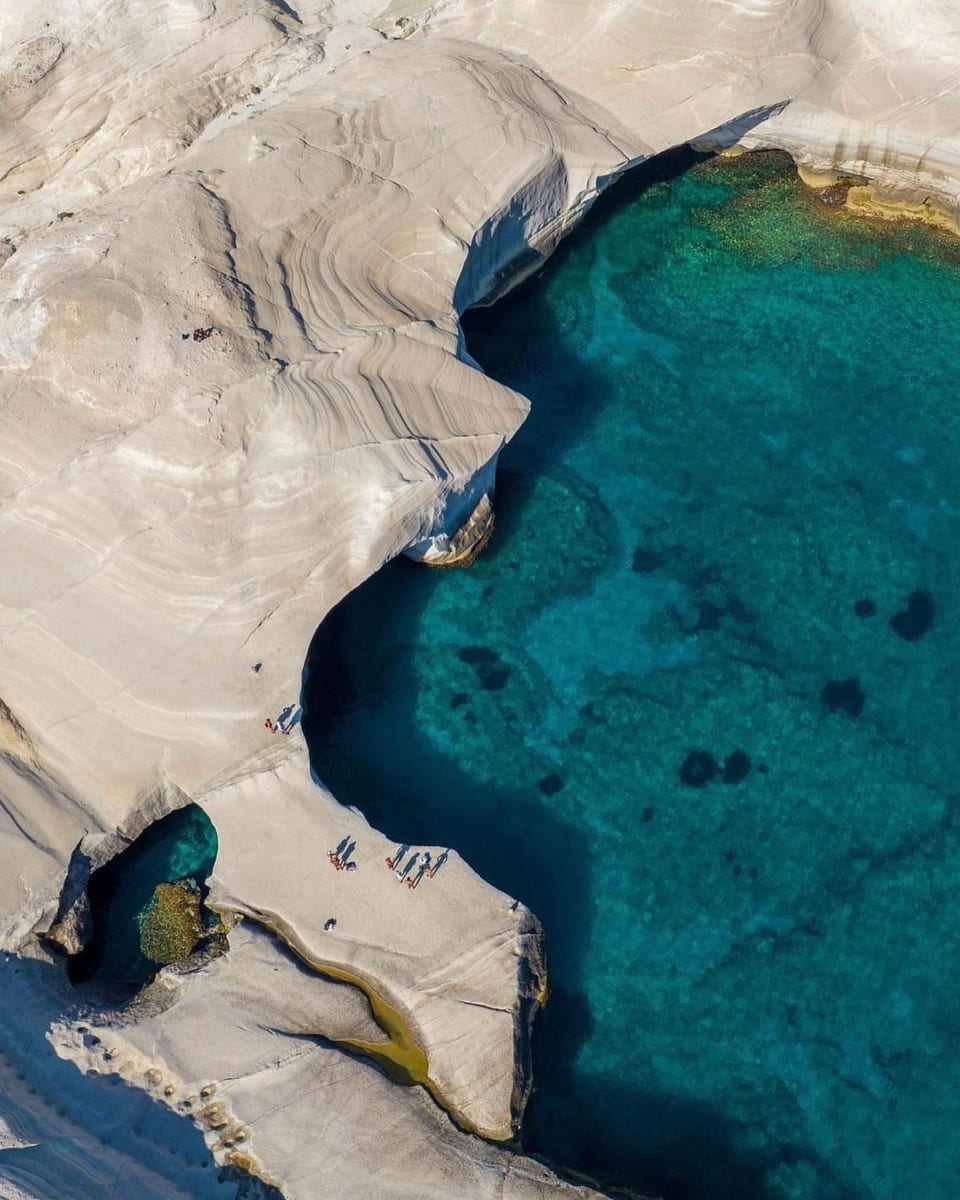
(645, 561)
(845, 695)
(476, 655)
(698, 768)
(916, 619)
(492, 674)
(551, 784)
(709, 616)
(736, 767)
(834, 195)
(493, 678)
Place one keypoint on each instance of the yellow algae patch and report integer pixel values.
(817, 180)
(171, 924)
(707, 147)
(470, 540)
(867, 200)
(543, 992)
(400, 1056)
(244, 1161)
(818, 224)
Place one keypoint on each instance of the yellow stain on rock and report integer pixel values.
(400, 1056)
(866, 201)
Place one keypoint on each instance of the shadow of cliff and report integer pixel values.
(624, 1136)
(569, 391)
(635, 1142)
(406, 787)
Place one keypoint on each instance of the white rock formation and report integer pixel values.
(872, 85)
(444, 955)
(318, 193)
(301, 1113)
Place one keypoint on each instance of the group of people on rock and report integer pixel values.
(410, 872)
(422, 862)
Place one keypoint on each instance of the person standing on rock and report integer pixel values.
(401, 874)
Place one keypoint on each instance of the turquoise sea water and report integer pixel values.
(697, 704)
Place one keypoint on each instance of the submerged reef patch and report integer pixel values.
(698, 769)
(551, 784)
(172, 923)
(736, 767)
(844, 695)
(916, 619)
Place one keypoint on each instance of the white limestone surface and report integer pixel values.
(183, 510)
(317, 190)
(445, 955)
(873, 86)
(301, 1114)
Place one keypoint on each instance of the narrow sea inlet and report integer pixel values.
(697, 704)
(146, 904)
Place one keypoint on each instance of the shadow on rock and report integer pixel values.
(78, 1130)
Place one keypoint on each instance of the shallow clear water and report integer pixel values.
(744, 422)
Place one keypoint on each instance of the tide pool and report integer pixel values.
(146, 904)
(697, 704)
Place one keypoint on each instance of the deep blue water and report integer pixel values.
(684, 707)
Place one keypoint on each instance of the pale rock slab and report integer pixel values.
(462, 982)
(335, 1125)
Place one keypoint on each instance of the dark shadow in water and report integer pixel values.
(570, 391)
(669, 1147)
(621, 1135)
(508, 835)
